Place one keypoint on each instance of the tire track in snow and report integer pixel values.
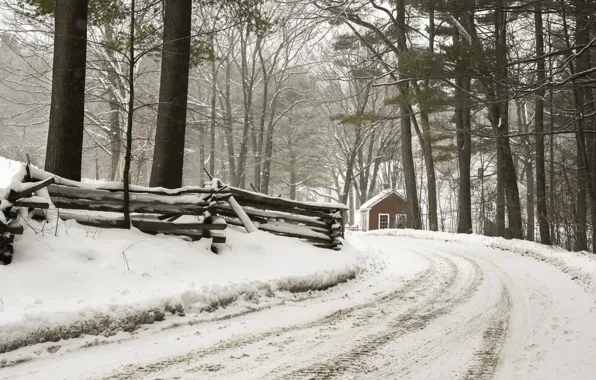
(358, 313)
(493, 340)
(437, 303)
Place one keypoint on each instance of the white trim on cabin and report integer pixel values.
(364, 220)
(378, 198)
(388, 221)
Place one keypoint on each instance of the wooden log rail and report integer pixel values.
(319, 223)
(108, 197)
(14, 196)
(38, 175)
(286, 204)
(195, 231)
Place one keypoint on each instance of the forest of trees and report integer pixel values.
(481, 111)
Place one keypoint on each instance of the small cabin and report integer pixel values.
(388, 209)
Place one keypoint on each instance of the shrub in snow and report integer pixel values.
(101, 324)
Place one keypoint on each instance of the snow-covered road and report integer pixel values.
(437, 311)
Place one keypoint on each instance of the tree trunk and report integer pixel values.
(168, 155)
(529, 169)
(530, 200)
(584, 102)
(115, 82)
(510, 179)
(266, 178)
(541, 197)
(293, 176)
(581, 239)
(500, 196)
(247, 92)
(431, 179)
(67, 110)
(213, 115)
(586, 105)
(551, 150)
(115, 134)
(202, 155)
(464, 151)
(230, 124)
(258, 174)
(129, 120)
(352, 208)
(427, 141)
(508, 174)
(414, 219)
(343, 197)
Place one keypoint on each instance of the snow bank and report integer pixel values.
(11, 176)
(91, 281)
(580, 266)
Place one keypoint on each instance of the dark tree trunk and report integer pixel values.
(213, 115)
(115, 82)
(508, 174)
(352, 208)
(67, 110)
(129, 120)
(266, 178)
(551, 150)
(500, 197)
(584, 21)
(430, 172)
(230, 124)
(168, 155)
(464, 152)
(247, 91)
(530, 200)
(351, 160)
(293, 176)
(581, 237)
(541, 197)
(510, 179)
(427, 142)
(414, 219)
(268, 153)
(528, 169)
(115, 132)
(202, 154)
(258, 170)
(115, 135)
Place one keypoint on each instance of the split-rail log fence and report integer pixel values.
(157, 210)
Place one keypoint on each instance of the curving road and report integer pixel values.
(436, 311)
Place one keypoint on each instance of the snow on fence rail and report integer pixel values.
(156, 209)
(320, 223)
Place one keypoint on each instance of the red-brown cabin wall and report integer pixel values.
(391, 205)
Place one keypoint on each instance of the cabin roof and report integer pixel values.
(378, 198)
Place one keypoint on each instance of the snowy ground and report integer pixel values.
(91, 281)
(86, 286)
(442, 307)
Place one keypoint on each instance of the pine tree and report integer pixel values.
(67, 111)
(168, 155)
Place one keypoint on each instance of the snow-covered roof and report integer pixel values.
(378, 198)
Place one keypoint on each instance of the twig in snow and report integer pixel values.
(58, 211)
(126, 258)
(126, 266)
